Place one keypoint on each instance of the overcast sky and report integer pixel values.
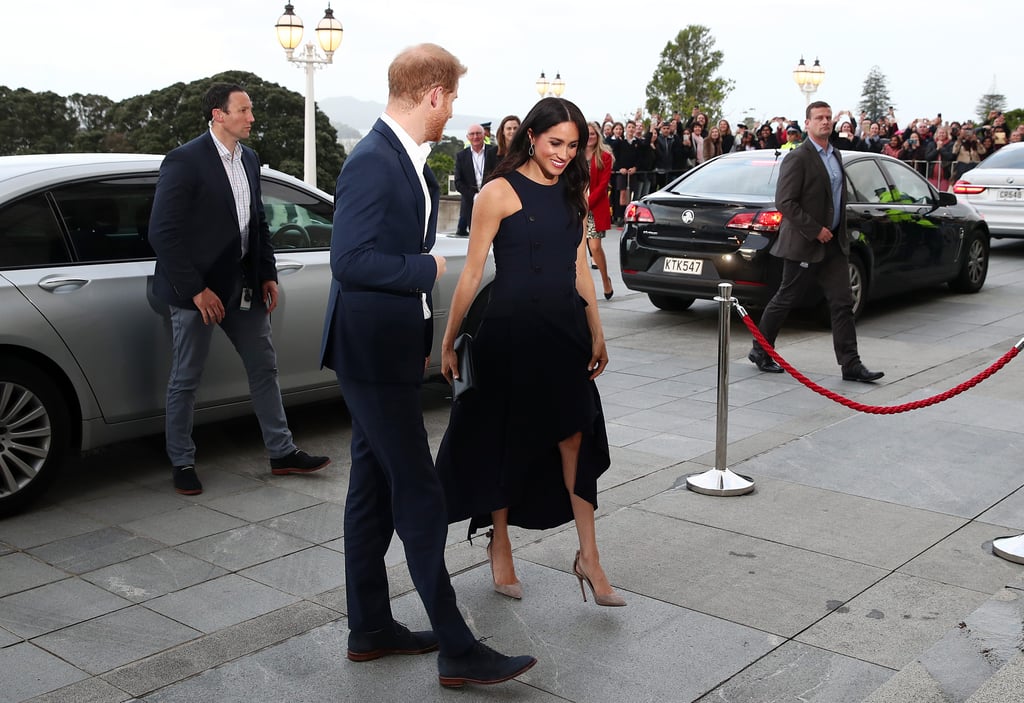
(934, 59)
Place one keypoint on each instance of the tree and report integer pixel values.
(163, 119)
(874, 97)
(684, 78)
(987, 103)
(442, 159)
(34, 123)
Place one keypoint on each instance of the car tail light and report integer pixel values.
(635, 212)
(965, 188)
(760, 221)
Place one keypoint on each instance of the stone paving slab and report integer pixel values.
(965, 559)
(55, 606)
(34, 528)
(29, 671)
(183, 524)
(760, 583)
(798, 672)
(152, 575)
(243, 546)
(219, 603)
(891, 621)
(94, 550)
(127, 635)
(19, 572)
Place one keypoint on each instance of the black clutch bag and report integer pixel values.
(464, 353)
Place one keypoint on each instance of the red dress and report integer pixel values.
(598, 201)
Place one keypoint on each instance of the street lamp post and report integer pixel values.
(328, 34)
(554, 88)
(808, 78)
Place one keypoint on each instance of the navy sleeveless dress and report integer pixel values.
(533, 388)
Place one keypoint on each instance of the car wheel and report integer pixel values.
(975, 266)
(858, 285)
(672, 303)
(34, 433)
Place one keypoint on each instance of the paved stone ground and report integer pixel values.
(866, 543)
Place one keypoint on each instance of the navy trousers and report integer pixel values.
(393, 487)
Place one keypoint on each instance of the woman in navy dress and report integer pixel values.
(526, 446)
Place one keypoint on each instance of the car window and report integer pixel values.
(1005, 158)
(108, 220)
(30, 235)
(908, 185)
(751, 176)
(865, 183)
(297, 220)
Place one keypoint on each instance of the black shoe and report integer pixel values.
(594, 266)
(462, 234)
(763, 361)
(480, 665)
(608, 294)
(185, 480)
(298, 462)
(861, 373)
(366, 646)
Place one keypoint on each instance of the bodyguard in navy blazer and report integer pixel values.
(376, 338)
(215, 264)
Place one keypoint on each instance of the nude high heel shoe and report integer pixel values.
(511, 590)
(613, 600)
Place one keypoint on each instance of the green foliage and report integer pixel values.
(1014, 117)
(163, 119)
(987, 103)
(34, 123)
(684, 78)
(442, 159)
(874, 97)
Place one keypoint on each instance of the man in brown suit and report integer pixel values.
(814, 245)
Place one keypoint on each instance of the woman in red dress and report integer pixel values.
(599, 218)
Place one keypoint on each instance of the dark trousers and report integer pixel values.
(465, 213)
(393, 487)
(833, 275)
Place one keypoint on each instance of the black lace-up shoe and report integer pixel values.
(480, 665)
(860, 373)
(185, 480)
(366, 646)
(763, 361)
(298, 462)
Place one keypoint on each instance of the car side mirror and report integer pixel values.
(946, 198)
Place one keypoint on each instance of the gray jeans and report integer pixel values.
(249, 332)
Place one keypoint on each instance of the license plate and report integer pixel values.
(688, 266)
(1011, 194)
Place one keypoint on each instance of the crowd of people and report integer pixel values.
(649, 153)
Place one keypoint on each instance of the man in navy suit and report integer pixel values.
(215, 264)
(814, 245)
(377, 335)
(472, 167)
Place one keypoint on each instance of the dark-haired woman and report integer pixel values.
(527, 445)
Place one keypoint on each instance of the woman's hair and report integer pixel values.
(502, 144)
(543, 116)
(602, 145)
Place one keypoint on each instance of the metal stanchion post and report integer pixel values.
(1009, 548)
(720, 481)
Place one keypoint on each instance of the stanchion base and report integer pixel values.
(1009, 548)
(720, 482)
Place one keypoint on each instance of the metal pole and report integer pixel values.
(720, 481)
(309, 135)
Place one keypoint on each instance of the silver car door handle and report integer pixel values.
(287, 267)
(56, 284)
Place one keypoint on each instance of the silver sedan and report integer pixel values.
(84, 344)
(995, 187)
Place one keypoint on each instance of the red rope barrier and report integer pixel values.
(875, 409)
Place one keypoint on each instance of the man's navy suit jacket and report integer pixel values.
(194, 227)
(374, 330)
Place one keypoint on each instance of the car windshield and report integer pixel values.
(1005, 158)
(754, 175)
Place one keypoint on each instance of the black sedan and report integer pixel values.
(717, 222)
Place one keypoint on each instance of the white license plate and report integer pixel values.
(1011, 194)
(687, 266)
